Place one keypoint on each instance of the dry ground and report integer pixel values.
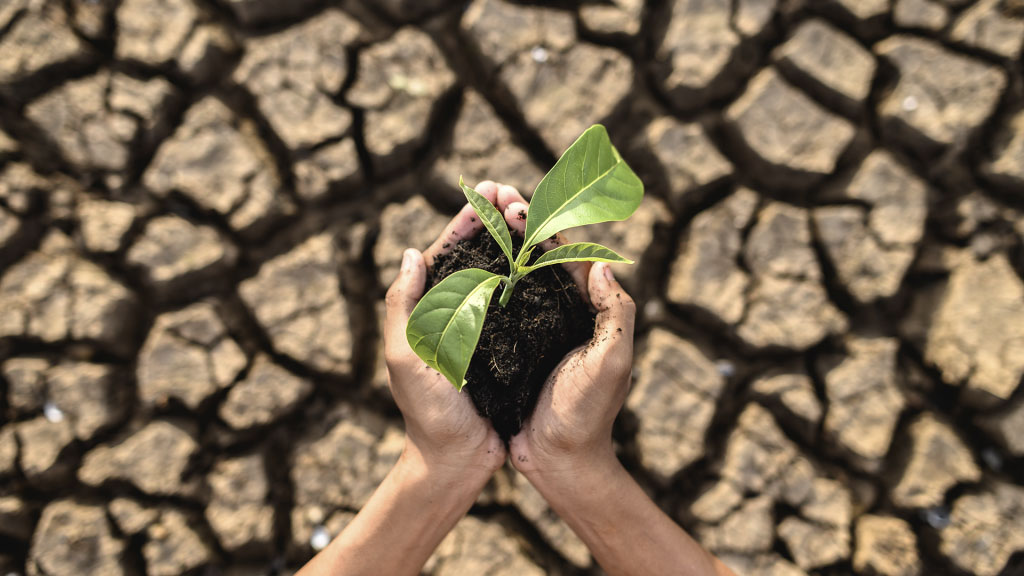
(202, 202)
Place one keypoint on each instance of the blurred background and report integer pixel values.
(202, 203)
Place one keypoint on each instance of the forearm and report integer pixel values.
(625, 531)
(403, 522)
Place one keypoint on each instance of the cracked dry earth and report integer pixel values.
(203, 201)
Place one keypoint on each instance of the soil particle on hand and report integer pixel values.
(522, 343)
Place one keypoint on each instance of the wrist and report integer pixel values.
(409, 514)
(566, 475)
(460, 476)
(460, 449)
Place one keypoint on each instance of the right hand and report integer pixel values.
(571, 427)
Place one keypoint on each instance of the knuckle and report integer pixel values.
(627, 309)
(396, 360)
(393, 296)
(626, 302)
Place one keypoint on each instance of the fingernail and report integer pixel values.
(407, 260)
(608, 273)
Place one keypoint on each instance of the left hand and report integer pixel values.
(443, 429)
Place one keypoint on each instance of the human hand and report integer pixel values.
(570, 430)
(442, 427)
(565, 447)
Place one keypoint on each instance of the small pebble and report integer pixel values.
(726, 368)
(315, 515)
(320, 538)
(992, 459)
(52, 412)
(937, 517)
(539, 54)
(654, 309)
(910, 103)
(398, 82)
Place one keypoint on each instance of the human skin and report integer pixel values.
(564, 449)
(450, 451)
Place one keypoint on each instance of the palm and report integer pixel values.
(561, 406)
(451, 412)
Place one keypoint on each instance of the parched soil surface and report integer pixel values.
(202, 203)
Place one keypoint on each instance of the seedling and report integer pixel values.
(589, 184)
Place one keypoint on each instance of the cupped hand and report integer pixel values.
(442, 426)
(571, 427)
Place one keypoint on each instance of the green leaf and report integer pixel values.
(590, 183)
(577, 252)
(445, 326)
(492, 219)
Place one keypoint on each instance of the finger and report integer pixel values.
(489, 189)
(401, 298)
(616, 316)
(466, 224)
(508, 195)
(515, 216)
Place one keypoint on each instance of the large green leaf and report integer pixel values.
(445, 326)
(590, 183)
(577, 252)
(492, 219)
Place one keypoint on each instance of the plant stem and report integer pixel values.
(524, 253)
(506, 292)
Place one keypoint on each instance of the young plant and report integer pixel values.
(589, 184)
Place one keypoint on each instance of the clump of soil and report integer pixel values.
(523, 342)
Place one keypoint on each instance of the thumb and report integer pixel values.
(403, 295)
(616, 315)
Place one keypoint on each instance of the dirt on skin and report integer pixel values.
(521, 343)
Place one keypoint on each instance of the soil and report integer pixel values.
(521, 343)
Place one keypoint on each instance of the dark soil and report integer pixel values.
(522, 343)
